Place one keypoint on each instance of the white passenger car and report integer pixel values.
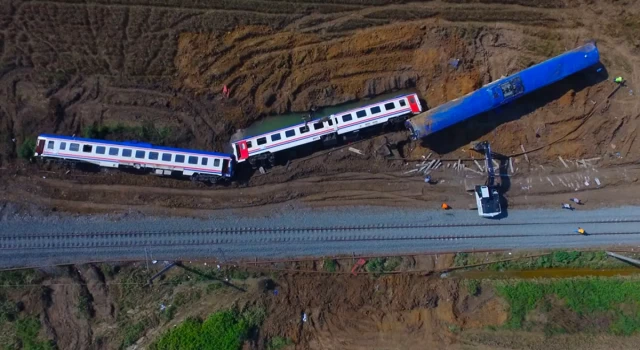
(199, 165)
(262, 145)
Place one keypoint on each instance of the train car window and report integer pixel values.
(276, 137)
(261, 141)
(249, 144)
(402, 103)
(50, 145)
(193, 160)
(216, 162)
(74, 147)
(87, 148)
(204, 161)
(389, 106)
(304, 129)
(140, 154)
(330, 122)
(290, 133)
(318, 126)
(100, 149)
(166, 157)
(126, 152)
(346, 118)
(63, 145)
(361, 114)
(179, 158)
(375, 110)
(153, 155)
(113, 151)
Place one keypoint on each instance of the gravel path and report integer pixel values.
(304, 232)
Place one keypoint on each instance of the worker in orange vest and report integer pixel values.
(445, 206)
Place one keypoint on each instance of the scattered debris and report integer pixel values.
(479, 166)
(262, 171)
(597, 181)
(510, 165)
(454, 62)
(411, 171)
(472, 170)
(563, 163)
(304, 317)
(355, 150)
(525, 153)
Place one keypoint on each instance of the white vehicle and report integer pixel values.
(199, 165)
(487, 196)
(263, 146)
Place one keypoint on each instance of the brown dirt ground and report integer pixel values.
(66, 66)
(397, 311)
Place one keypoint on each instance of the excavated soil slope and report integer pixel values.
(67, 66)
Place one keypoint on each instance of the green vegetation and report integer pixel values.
(18, 278)
(8, 309)
(27, 149)
(27, 330)
(378, 266)
(277, 343)
(473, 286)
(461, 259)
(583, 296)
(213, 286)
(559, 258)
(133, 332)
(186, 297)
(329, 265)
(169, 313)
(223, 330)
(84, 305)
(147, 132)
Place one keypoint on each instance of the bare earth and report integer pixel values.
(68, 65)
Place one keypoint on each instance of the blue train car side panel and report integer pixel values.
(503, 91)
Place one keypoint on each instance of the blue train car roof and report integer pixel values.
(492, 95)
(136, 144)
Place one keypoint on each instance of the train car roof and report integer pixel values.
(135, 144)
(235, 138)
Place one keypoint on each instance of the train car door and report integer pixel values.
(225, 167)
(40, 147)
(242, 150)
(413, 104)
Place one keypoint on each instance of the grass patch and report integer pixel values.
(378, 266)
(169, 313)
(277, 343)
(583, 296)
(133, 332)
(213, 286)
(561, 258)
(18, 278)
(27, 330)
(147, 132)
(329, 265)
(461, 259)
(473, 286)
(223, 330)
(186, 297)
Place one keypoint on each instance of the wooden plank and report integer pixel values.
(525, 153)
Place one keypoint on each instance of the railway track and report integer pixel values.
(315, 229)
(129, 240)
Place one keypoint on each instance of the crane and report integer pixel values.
(487, 196)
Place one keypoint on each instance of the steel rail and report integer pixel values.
(245, 230)
(55, 241)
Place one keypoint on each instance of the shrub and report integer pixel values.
(27, 149)
(27, 330)
(329, 265)
(223, 330)
(473, 286)
(277, 343)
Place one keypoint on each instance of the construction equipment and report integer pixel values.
(487, 196)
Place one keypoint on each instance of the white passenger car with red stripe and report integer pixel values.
(265, 144)
(199, 165)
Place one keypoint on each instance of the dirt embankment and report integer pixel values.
(66, 67)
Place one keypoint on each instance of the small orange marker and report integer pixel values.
(445, 206)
